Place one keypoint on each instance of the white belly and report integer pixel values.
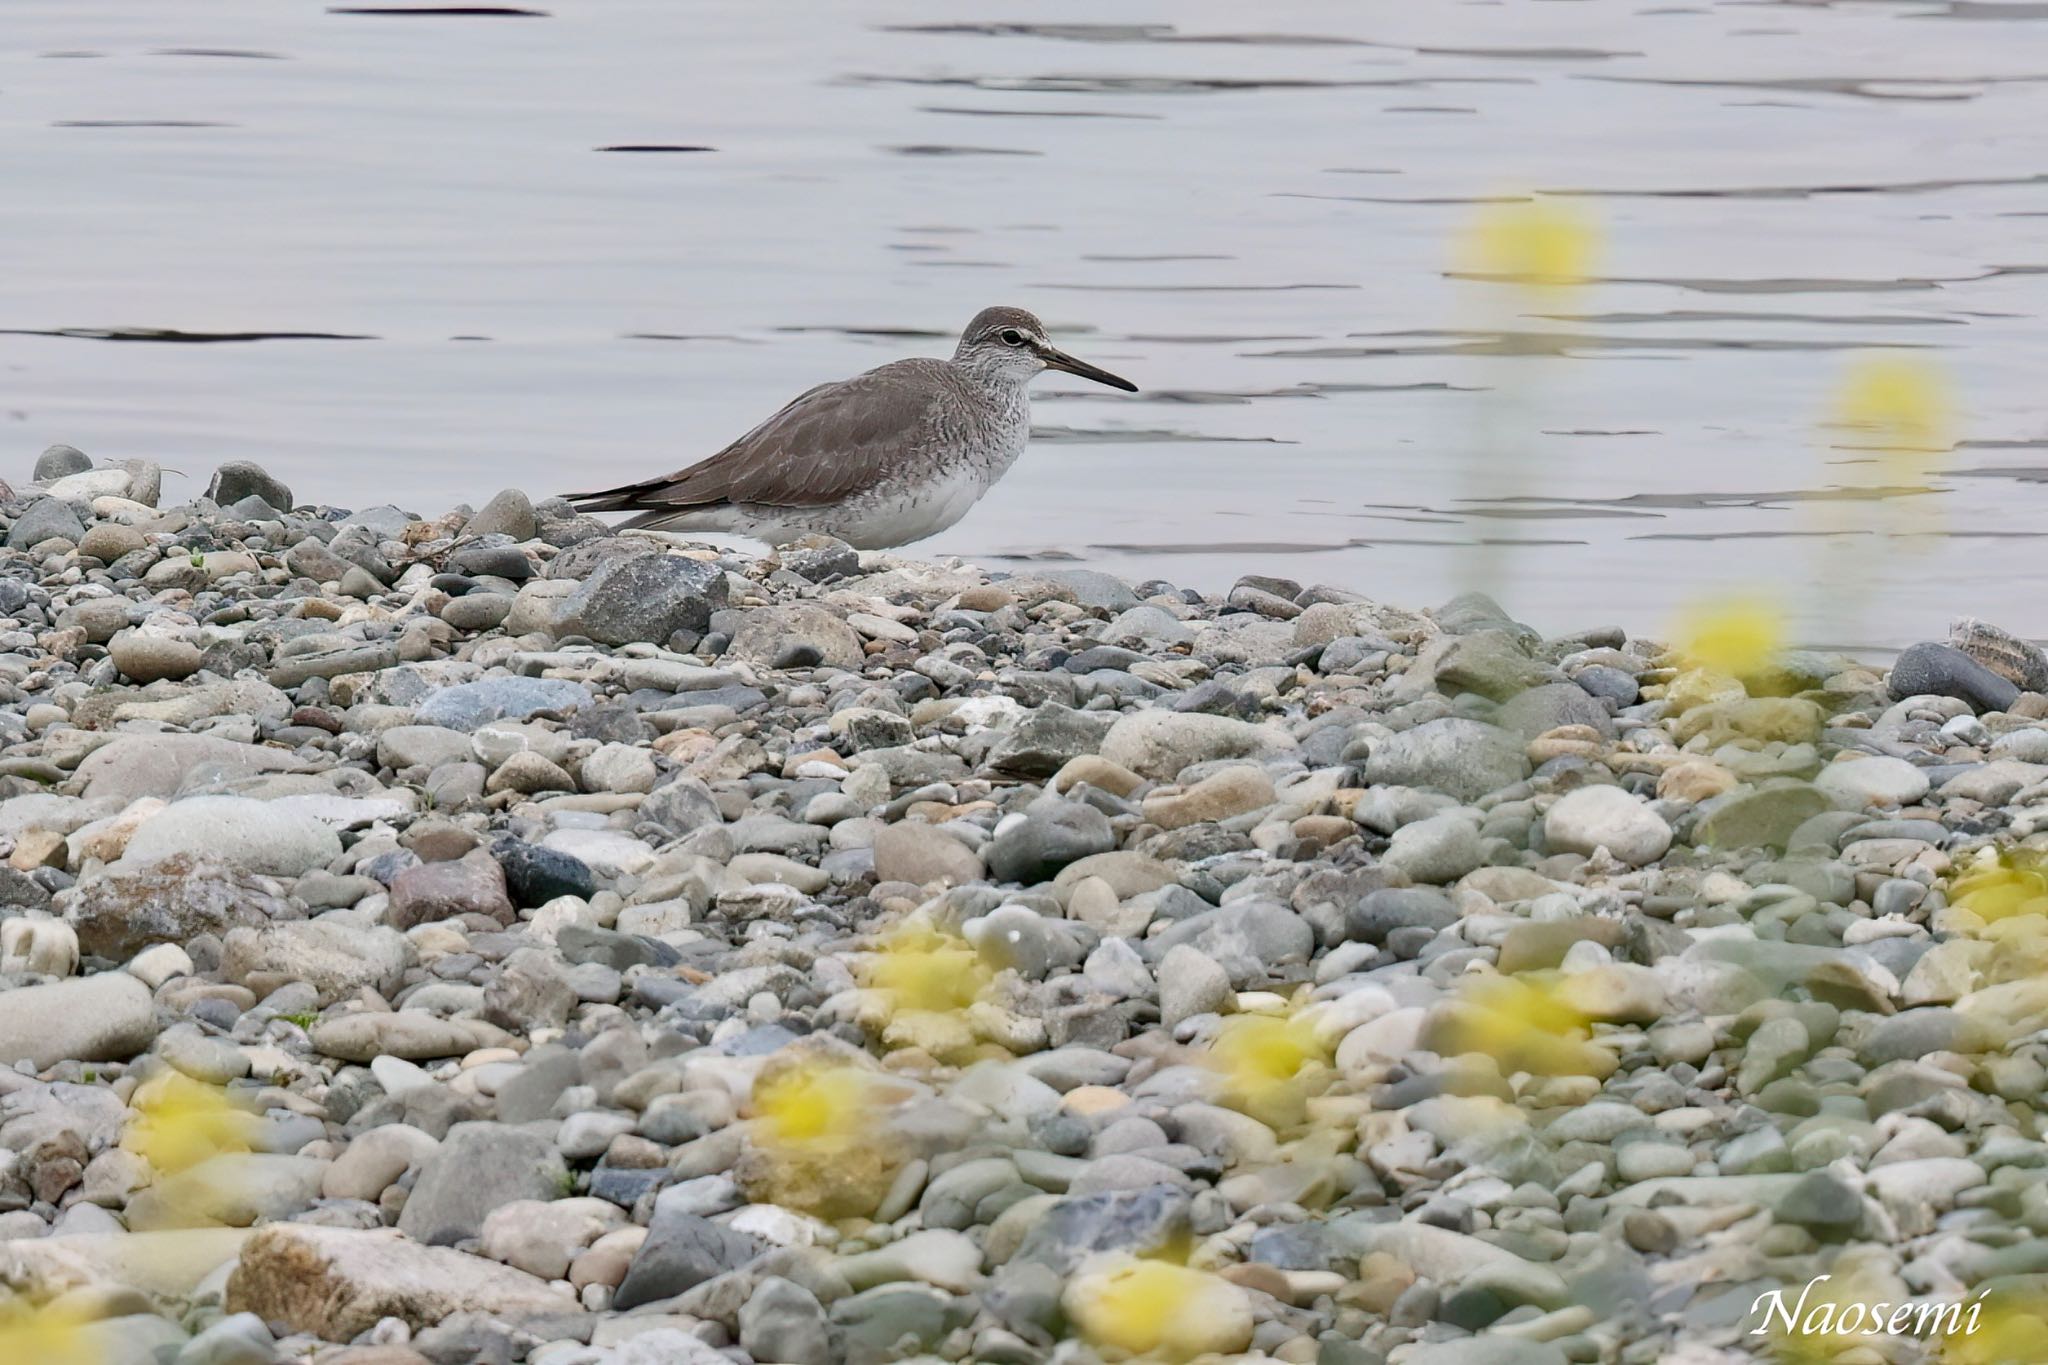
(884, 519)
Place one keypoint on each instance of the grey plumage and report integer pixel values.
(887, 457)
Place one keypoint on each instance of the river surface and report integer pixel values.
(416, 255)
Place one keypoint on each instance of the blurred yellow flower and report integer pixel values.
(180, 1122)
(921, 968)
(1734, 636)
(1898, 403)
(2011, 884)
(1538, 243)
(1156, 1310)
(1266, 1061)
(2006, 1328)
(814, 1104)
(53, 1335)
(1525, 1027)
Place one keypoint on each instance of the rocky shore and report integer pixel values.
(493, 938)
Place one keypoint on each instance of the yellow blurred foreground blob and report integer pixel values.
(1158, 1310)
(1536, 243)
(1269, 1065)
(1895, 403)
(46, 1336)
(814, 1105)
(2010, 883)
(1735, 637)
(181, 1122)
(2009, 1327)
(1525, 1027)
(920, 968)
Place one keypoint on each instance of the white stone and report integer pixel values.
(607, 852)
(103, 1018)
(251, 834)
(38, 944)
(158, 963)
(88, 484)
(618, 768)
(1872, 781)
(1606, 817)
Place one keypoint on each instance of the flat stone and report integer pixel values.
(338, 1283)
(334, 958)
(923, 855)
(133, 766)
(1465, 759)
(175, 900)
(795, 635)
(1158, 744)
(249, 834)
(1871, 781)
(465, 706)
(103, 1018)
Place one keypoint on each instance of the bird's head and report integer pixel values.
(1010, 344)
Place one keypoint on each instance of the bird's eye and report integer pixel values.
(1011, 336)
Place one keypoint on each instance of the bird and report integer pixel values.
(883, 459)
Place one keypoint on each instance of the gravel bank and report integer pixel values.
(490, 938)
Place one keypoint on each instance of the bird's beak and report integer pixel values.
(1056, 359)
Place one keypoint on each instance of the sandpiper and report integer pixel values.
(882, 459)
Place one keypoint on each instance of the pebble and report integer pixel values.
(1593, 818)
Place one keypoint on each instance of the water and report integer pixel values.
(403, 256)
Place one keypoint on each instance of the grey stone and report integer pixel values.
(479, 1167)
(465, 706)
(1440, 849)
(1821, 1203)
(125, 910)
(1493, 663)
(795, 635)
(242, 1339)
(1044, 741)
(238, 479)
(509, 513)
(58, 461)
(682, 1251)
(783, 1321)
(1190, 983)
(45, 519)
(1550, 705)
(1945, 671)
(1053, 834)
(1137, 1221)
(644, 598)
(1466, 759)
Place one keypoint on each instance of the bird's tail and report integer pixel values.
(637, 498)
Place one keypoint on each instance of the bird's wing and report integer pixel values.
(827, 444)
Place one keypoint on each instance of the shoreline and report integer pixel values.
(587, 948)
